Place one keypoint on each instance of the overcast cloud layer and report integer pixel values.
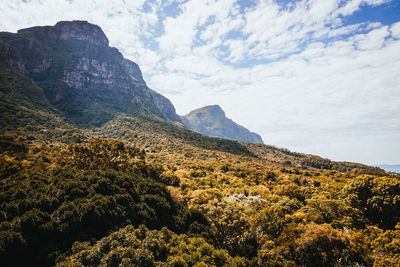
(305, 75)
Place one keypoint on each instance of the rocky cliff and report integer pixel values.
(81, 74)
(211, 121)
(10, 55)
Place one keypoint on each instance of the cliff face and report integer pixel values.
(211, 121)
(133, 70)
(77, 69)
(10, 55)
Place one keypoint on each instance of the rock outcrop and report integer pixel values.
(76, 54)
(11, 56)
(211, 121)
(133, 70)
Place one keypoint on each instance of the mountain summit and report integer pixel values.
(80, 74)
(212, 121)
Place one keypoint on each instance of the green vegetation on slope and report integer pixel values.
(152, 131)
(143, 247)
(67, 205)
(25, 111)
(44, 210)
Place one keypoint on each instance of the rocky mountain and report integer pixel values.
(96, 172)
(211, 121)
(80, 74)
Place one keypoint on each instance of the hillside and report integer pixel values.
(138, 188)
(211, 121)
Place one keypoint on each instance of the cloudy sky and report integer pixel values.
(314, 76)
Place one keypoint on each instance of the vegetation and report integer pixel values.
(143, 247)
(138, 190)
(95, 203)
(55, 200)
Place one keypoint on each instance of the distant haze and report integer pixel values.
(390, 168)
(313, 76)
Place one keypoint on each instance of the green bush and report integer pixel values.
(143, 247)
(46, 211)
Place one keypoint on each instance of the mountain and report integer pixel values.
(211, 121)
(63, 83)
(97, 170)
(80, 74)
(390, 167)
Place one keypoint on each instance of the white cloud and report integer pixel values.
(334, 93)
(395, 29)
(373, 40)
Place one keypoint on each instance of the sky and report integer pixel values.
(313, 76)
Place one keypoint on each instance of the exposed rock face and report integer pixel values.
(77, 53)
(11, 56)
(68, 30)
(133, 70)
(165, 106)
(211, 121)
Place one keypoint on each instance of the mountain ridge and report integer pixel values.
(57, 112)
(212, 121)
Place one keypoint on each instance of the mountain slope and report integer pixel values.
(43, 98)
(78, 188)
(81, 75)
(211, 121)
(25, 111)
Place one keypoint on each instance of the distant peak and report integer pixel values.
(212, 121)
(212, 109)
(67, 30)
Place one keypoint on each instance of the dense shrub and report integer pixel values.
(144, 247)
(57, 202)
(377, 197)
(44, 212)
